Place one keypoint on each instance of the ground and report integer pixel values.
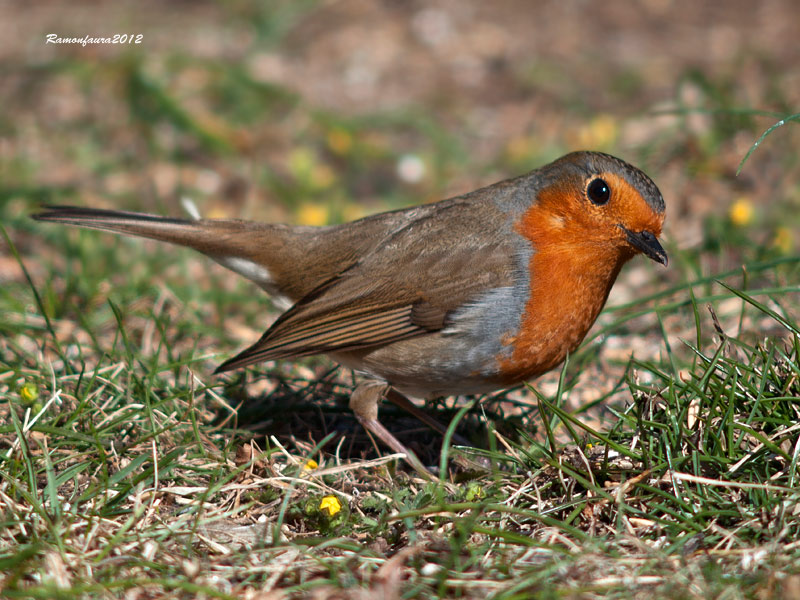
(661, 461)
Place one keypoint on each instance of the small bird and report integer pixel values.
(468, 295)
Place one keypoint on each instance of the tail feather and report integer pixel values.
(177, 231)
(244, 247)
(288, 262)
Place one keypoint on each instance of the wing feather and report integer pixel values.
(406, 288)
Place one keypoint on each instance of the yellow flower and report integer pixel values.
(600, 132)
(475, 492)
(313, 214)
(741, 212)
(783, 240)
(29, 392)
(330, 504)
(311, 464)
(339, 140)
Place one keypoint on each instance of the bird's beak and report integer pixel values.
(646, 243)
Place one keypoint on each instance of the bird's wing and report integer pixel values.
(405, 288)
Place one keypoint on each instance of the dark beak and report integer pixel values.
(646, 243)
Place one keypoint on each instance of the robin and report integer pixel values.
(464, 296)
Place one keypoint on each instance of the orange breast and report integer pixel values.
(571, 276)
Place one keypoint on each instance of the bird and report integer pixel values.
(473, 294)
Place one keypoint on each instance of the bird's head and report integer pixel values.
(594, 202)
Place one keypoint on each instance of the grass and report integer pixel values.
(123, 467)
(660, 461)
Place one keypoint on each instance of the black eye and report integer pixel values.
(598, 191)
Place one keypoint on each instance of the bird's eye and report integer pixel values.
(598, 191)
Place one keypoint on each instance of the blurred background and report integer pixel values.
(323, 111)
(320, 111)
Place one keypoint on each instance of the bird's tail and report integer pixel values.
(254, 250)
(183, 232)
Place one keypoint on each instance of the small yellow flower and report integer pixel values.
(311, 464)
(339, 140)
(313, 214)
(600, 132)
(741, 212)
(29, 392)
(475, 492)
(330, 504)
(783, 240)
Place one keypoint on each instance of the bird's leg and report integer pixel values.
(364, 403)
(398, 399)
